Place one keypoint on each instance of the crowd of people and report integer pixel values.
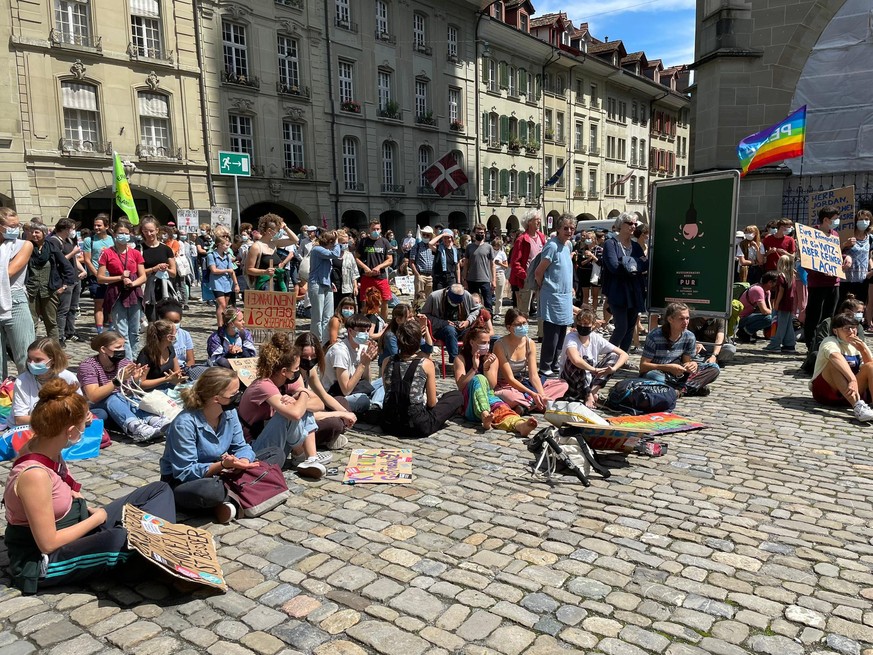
(311, 389)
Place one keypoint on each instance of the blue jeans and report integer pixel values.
(449, 335)
(321, 299)
(126, 320)
(285, 434)
(784, 336)
(754, 322)
(116, 407)
(360, 402)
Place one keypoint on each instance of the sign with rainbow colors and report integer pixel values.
(379, 466)
(658, 423)
(774, 144)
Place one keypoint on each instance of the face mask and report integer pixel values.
(610, 235)
(480, 237)
(859, 316)
(183, 237)
(38, 368)
(835, 222)
(294, 377)
(348, 312)
(520, 330)
(344, 247)
(117, 355)
(862, 225)
(202, 232)
(308, 364)
(361, 338)
(11, 234)
(233, 402)
(587, 242)
(584, 330)
(122, 238)
(165, 237)
(173, 339)
(789, 230)
(73, 442)
(772, 230)
(375, 234)
(749, 237)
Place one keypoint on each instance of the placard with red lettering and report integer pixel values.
(270, 310)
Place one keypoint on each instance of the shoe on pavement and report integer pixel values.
(140, 431)
(225, 513)
(158, 421)
(549, 373)
(340, 442)
(863, 412)
(311, 468)
(322, 458)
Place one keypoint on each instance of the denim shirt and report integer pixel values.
(319, 263)
(193, 445)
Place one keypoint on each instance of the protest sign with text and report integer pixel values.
(819, 251)
(843, 199)
(188, 220)
(246, 369)
(222, 216)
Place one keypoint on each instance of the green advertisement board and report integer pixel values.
(692, 246)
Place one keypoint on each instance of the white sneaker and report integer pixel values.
(311, 468)
(339, 443)
(140, 431)
(863, 412)
(158, 421)
(322, 458)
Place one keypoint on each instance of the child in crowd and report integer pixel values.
(784, 338)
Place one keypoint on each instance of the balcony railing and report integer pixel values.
(579, 194)
(229, 77)
(346, 25)
(391, 114)
(294, 4)
(393, 188)
(385, 37)
(298, 173)
(422, 48)
(426, 119)
(354, 186)
(594, 152)
(493, 142)
(61, 39)
(593, 195)
(284, 89)
(456, 126)
(581, 147)
(513, 199)
(559, 140)
(93, 147)
(139, 52)
(150, 151)
(426, 191)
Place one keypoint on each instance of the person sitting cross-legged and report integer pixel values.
(843, 372)
(588, 360)
(757, 313)
(668, 355)
(347, 366)
(451, 312)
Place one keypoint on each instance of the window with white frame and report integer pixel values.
(513, 82)
(289, 64)
(559, 163)
(236, 58)
(73, 21)
(384, 89)
(350, 163)
(492, 183)
(241, 135)
(622, 149)
(641, 189)
(425, 159)
(381, 18)
(388, 165)
(559, 126)
(154, 123)
(452, 41)
(529, 90)
(454, 104)
(547, 161)
(343, 14)
(513, 185)
(145, 28)
(592, 181)
(421, 106)
(580, 135)
(642, 154)
(493, 82)
(346, 81)
(493, 130)
(81, 115)
(592, 138)
(578, 182)
(292, 140)
(529, 192)
(419, 36)
(633, 188)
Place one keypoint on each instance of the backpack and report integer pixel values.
(642, 396)
(398, 413)
(530, 282)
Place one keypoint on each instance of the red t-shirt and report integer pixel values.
(788, 244)
(116, 264)
(253, 406)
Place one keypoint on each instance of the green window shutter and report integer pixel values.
(485, 188)
(539, 134)
(522, 80)
(522, 184)
(485, 70)
(503, 74)
(504, 182)
(504, 129)
(485, 124)
(537, 185)
(538, 86)
(522, 131)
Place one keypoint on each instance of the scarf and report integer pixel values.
(40, 255)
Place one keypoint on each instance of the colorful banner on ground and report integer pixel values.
(184, 551)
(774, 144)
(692, 245)
(379, 466)
(659, 423)
(843, 199)
(819, 251)
(123, 195)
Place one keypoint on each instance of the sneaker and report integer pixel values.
(549, 373)
(323, 458)
(158, 421)
(140, 431)
(311, 468)
(863, 412)
(339, 443)
(788, 351)
(225, 513)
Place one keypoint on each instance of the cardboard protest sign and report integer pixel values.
(379, 466)
(188, 220)
(270, 311)
(843, 199)
(184, 551)
(406, 284)
(819, 251)
(246, 369)
(657, 423)
(222, 216)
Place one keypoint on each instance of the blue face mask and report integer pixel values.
(11, 234)
(38, 368)
(375, 234)
(361, 338)
(344, 246)
(520, 330)
(859, 316)
(122, 238)
(348, 312)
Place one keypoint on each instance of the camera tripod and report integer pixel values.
(550, 452)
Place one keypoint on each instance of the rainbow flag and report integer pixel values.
(658, 423)
(781, 141)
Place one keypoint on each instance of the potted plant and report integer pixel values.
(457, 126)
(514, 144)
(550, 134)
(426, 118)
(352, 106)
(391, 110)
(299, 171)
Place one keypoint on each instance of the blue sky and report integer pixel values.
(664, 29)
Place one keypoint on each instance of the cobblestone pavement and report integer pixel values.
(754, 535)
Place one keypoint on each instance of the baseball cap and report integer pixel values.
(427, 229)
(455, 298)
(447, 233)
(309, 228)
(740, 234)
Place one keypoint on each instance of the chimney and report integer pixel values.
(606, 39)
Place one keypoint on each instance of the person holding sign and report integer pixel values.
(824, 289)
(844, 368)
(52, 536)
(857, 247)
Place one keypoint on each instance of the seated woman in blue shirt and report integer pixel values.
(205, 439)
(230, 341)
(388, 341)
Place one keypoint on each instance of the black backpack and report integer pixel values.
(642, 396)
(398, 413)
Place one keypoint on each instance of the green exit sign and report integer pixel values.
(234, 163)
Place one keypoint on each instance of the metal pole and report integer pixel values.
(236, 191)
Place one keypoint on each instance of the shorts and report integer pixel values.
(222, 294)
(379, 283)
(825, 394)
(97, 291)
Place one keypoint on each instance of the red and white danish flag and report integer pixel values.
(445, 175)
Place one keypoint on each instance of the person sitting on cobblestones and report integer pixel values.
(476, 376)
(275, 408)
(711, 343)
(451, 312)
(518, 380)
(851, 306)
(46, 360)
(757, 313)
(159, 357)
(171, 310)
(347, 365)
(230, 341)
(588, 360)
(843, 372)
(336, 327)
(388, 341)
(205, 439)
(52, 536)
(669, 351)
(100, 377)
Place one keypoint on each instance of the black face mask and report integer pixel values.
(294, 377)
(480, 237)
(308, 364)
(584, 331)
(233, 403)
(117, 355)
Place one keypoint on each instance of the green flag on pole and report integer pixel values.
(123, 196)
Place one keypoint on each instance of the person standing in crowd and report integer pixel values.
(16, 322)
(49, 275)
(584, 259)
(775, 244)
(857, 247)
(446, 261)
(222, 277)
(421, 262)
(451, 312)
(122, 272)
(527, 246)
(203, 244)
(66, 318)
(373, 254)
(824, 289)
(784, 338)
(160, 266)
(751, 258)
(843, 372)
(184, 269)
(623, 266)
(405, 249)
(92, 248)
(349, 273)
(263, 258)
(757, 313)
(554, 279)
(501, 264)
(478, 268)
(320, 289)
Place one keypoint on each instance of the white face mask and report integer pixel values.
(835, 222)
(862, 225)
(749, 236)
(772, 230)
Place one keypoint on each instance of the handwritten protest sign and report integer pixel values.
(222, 216)
(246, 369)
(379, 466)
(184, 551)
(270, 311)
(843, 199)
(188, 220)
(819, 251)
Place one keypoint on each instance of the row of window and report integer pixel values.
(662, 160)
(515, 186)
(387, 97)
(73, 25)
(517, 82)
(500, 129)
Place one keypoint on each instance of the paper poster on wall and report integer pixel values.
(843, 199)
(184, 551)
(820, 252)
(188, 220)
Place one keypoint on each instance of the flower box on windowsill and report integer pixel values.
(298, 173)
(457, 126)
(351, 106)
(426, 119)
(514, 146)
